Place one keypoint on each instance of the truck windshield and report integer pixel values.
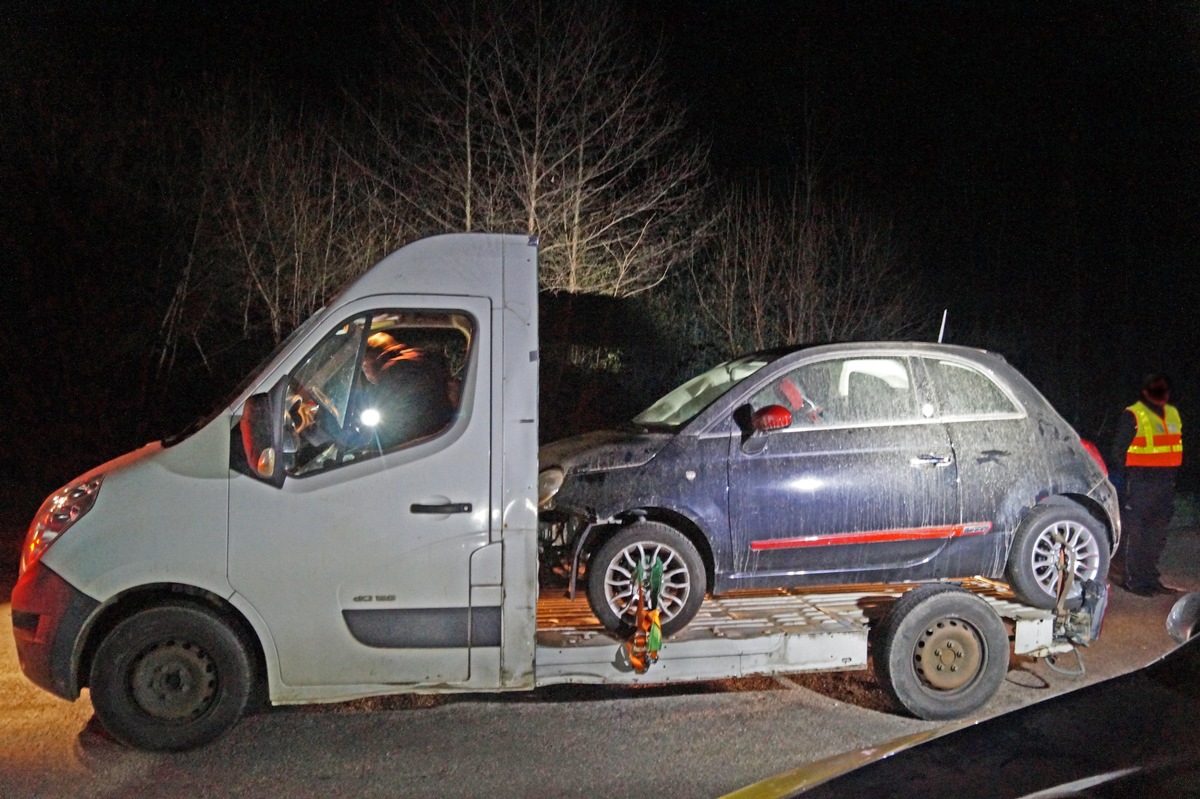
(683, 404)
(243, 384)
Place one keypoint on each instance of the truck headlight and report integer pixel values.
(60, 510)
(549, 481)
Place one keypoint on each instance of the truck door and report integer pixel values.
(360, 562)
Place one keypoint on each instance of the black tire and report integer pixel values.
(1032, 569)
(941, 653)
(170, 678)
(611, 591)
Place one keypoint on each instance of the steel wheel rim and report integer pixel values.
(949, 655)
(1076, 538)
(174, 680)
(620, 586)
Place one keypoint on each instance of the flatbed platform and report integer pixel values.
(754, 633)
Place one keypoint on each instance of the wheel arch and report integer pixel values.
(674, 519)
(121, 607)
(1089, 505)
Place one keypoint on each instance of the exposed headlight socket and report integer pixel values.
(549, 481)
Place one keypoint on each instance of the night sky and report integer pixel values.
(1039, 162)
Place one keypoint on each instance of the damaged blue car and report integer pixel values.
(829, 465)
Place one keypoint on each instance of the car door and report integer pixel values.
(359, 564)
(861, 483)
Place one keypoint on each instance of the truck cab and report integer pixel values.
(360, 519)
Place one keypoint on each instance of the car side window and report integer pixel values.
(381, 382)
(842, 391)
(965, 391)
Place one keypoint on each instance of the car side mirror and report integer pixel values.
(262, 434)
(772, 417)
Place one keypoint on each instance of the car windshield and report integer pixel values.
(683, 404)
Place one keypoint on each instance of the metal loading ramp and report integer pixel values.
(750, 633)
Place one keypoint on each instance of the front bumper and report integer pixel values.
(48, 616)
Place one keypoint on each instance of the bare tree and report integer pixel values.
(798, 269)
(281, 219)
(544, 119)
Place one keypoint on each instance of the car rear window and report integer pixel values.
(965, 391)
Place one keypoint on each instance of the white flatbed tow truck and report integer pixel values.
(320, 537)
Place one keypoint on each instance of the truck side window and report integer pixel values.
(379, 383)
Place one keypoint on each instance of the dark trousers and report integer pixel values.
(1149, 504)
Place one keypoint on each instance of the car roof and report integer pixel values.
(915, 347)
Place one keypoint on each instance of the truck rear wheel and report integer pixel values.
(170, 678)
(941, 653)
(612, 588)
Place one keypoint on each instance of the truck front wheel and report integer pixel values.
(942, 652)
(171, 677)
(612, 586)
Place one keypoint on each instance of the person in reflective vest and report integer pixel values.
(1147, 453)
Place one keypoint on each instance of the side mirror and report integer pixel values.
(772, 417)
(262, 434)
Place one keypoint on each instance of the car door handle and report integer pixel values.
(448, 507)
(919, 461)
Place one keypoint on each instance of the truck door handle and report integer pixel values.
(449, 507)
(920, 461)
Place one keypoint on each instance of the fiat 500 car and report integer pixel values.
(824, 465)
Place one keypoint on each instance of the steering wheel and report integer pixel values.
(310, 416)
(301, 411)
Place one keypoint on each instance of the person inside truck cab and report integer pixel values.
(407, 394)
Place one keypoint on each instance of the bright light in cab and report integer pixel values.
(370, 417)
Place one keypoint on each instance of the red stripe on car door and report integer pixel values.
(873, 536)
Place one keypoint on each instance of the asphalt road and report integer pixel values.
(684, 741)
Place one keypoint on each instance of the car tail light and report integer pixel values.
(1095, 453)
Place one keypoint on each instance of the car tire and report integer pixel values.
(170, 678)
(1032, 569)
(612, 592)
(941, 652)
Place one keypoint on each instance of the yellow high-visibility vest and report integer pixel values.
(1158, 441)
